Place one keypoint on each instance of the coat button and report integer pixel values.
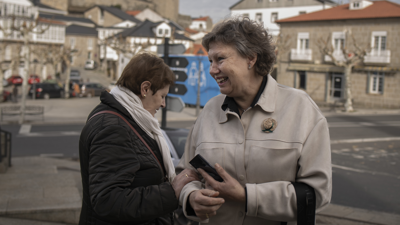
(241, 177)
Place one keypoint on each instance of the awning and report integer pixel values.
(315, 67)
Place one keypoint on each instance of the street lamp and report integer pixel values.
(200, 52)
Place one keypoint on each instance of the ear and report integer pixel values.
(252, 60)
(144, 88)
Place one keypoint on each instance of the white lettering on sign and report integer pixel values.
(176, 89)
(177, 62)
(194, 74)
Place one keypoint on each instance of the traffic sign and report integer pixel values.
(180, 75)
(179, 62)
(178, 89)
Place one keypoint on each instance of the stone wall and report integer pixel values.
(319, 83)
(81, 43)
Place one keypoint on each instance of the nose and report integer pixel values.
(163, 103)
(214, 69)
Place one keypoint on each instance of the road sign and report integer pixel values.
(174, 104)
(178, 62)
(178, 89)
(180, 75)
(175, 49)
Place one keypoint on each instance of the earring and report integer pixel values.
(144, 95)
(249, 66)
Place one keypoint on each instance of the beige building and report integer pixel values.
(373, 26)
(84, 39)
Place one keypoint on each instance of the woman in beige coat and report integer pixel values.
(262, 137)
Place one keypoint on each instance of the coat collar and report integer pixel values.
(266, 101)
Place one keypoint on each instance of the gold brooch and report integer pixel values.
(269, 125)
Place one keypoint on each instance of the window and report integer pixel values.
(303, 79)
(274, 17)
(89, 55)
(356, 5)
(8, 53)
(160, 32)
(376, 82)
(273, 0)
(72, 43)
(90, 44)
(379, 41)
(338, 40)
(259, 17)
(245, 15)
(166, 31)
(303, 41)
(302, 12)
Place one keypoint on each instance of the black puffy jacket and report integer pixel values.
(122, 181)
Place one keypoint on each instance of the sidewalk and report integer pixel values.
(47, 191)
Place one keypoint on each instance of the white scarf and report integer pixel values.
(131, 102)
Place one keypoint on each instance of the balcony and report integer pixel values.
(338, 54)
(301, 54)
(377, 56)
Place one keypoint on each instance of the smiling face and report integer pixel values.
(231, 70)
(153, 102)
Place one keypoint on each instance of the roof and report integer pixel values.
(118, 13)
(81, 30)
(191, 31)
(67, 18)
(133, 12)
(321, 1)
(379, 9)
(195, 50)
(205, 18)
(145, 29)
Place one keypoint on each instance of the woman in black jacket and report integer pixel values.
(126, 167)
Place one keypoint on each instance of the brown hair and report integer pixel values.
(146, 67)
(248, 37)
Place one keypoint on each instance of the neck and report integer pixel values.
(244, 101)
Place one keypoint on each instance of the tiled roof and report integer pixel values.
(145, 29)
(119, 13)
(67, 18)
(133, 12)
(81, 30)
(191, 31)
(379, 9)
(201, 18)
(195, 50)
(44, 20)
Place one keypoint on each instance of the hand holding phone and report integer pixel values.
(199, 162)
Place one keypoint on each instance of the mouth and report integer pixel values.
(221, 80)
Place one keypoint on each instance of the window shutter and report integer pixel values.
(368, 81)
(383, 82)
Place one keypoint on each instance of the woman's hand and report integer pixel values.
(229, 188)
(205, 203)
(186, 176)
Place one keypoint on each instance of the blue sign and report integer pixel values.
(208, 86)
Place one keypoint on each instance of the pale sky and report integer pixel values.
(216, 9)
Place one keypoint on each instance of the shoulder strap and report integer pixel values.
(134, 130)
(305, 203)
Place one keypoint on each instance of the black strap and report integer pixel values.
(305, 204)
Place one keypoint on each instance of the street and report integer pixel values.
(365, 155)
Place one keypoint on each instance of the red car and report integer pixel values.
(33, 79)
(15, 79)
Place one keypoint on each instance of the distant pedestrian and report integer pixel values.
(14, 93)
(77, 90)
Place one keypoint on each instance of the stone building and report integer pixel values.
(268, 11)
(106, 16)
(84, 39)
(168, 9)
(373, 26)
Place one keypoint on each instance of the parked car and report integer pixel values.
(33, 79)
(111, 86)
(90, 65)
(15, 79)
(75, 75)
(46, 91)
(176, 139)
(91, 89)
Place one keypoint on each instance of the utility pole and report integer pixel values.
(166, 60)
(200, 52)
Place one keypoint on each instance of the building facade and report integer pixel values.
(269, 11)
(371, 26)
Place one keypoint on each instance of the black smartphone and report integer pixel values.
(199, 162)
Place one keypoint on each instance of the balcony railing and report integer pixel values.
(338, 54)
(301, 54)
(377, 56)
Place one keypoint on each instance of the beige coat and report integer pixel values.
(297, 150)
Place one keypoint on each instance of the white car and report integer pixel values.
(176, 140)
(90, 65)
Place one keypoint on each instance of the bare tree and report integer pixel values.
(42, 54)
(282, 45)
(352, 53)
(3, 47)
(25, 27)
(66, 54)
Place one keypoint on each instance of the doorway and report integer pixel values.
(337, 86)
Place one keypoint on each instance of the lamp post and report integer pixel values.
(200, 52)
(34, 79)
